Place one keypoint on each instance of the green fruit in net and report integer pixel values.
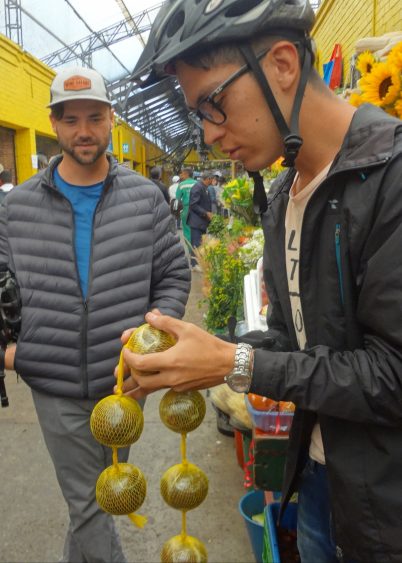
(184, 486)
(117, 421)
(182, 412)
(146, 340)
(121, 489)
(184, 549)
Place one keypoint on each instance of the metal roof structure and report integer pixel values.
(69, 32)
(109, 36)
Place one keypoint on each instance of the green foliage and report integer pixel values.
(217, 226)
(238, 197)
(224, 279)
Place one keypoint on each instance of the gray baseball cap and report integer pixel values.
(78, 83)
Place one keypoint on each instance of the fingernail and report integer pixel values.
(151, 316)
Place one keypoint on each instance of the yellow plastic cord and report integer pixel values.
(120, 375)
(138, 520)
(183, 449)
(183, 524)
(115, 457)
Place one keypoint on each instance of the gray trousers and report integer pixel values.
(78, 460)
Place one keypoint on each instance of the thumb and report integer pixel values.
(164, 322)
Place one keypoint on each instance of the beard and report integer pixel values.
(82, 156)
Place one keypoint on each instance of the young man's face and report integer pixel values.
(84, 130)
(249, 133)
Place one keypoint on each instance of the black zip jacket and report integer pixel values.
(349, 377)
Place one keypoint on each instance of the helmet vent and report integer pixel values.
(242, 7)
(175, 23)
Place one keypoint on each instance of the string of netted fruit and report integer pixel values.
(117, 422)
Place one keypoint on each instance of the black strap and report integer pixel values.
(290, 136)
(260, 201)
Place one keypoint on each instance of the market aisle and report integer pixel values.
(32, 512)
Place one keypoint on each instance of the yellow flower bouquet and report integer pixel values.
(381, 81)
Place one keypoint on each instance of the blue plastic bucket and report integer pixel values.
(253, 503)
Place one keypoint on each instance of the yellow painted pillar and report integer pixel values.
(143, 161)
(233, 169)
(25, 154)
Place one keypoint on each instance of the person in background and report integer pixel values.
(6, 184)
(156, 177)
(175, 205)
(92, 246)
(332, 264)
(200, 213)
(213, 195)
(218, 181)
(183, 195)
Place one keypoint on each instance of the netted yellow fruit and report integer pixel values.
(121, 489)
(184, 549)
(184, 486)
(146, 340)
(117, 421)
(182, 412)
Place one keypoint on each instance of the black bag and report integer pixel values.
(176, 206)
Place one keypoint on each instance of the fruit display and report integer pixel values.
(261, 403)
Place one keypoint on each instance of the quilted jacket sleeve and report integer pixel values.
(170, 284)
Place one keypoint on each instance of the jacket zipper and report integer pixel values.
(338, 260)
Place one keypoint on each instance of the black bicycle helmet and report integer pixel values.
(182, 26)
(185, 26)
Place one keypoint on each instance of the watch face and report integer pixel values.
(239, 382)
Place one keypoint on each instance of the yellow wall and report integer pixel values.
(24, 94)
(346, 21)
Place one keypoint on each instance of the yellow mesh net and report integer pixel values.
(182, 412)
(147, 340)
(121, 489)
(184, 549)
(117, 421)
(184, 486)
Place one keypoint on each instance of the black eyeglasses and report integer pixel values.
(211, 110)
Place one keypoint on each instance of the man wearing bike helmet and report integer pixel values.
(332, 264)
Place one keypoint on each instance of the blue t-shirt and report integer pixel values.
(84, 200)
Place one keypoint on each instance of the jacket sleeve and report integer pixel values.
(195, 207)
(170, 282)
(362, 385)
(4, 248)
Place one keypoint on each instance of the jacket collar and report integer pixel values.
(370, 139)
(48, 180)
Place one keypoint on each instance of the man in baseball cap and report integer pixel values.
(88, 272)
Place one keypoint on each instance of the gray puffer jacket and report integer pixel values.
(68, 345)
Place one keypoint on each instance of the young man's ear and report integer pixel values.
(282, 63)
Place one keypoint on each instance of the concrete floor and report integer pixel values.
(33, 516)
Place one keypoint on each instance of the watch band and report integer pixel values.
(239, 379)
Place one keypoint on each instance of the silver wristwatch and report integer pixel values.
(239, 379)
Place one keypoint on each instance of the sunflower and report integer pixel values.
(394, 58)
(355, 99)
(398, 107)
(365, 62)
(381, 86)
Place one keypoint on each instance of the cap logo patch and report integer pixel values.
(212, 5)
(77, 83)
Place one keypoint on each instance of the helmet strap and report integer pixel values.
(290, 136)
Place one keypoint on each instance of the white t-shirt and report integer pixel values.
(173, 190)
(6, 187)
(293, 228)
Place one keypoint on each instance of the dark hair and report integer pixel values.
(57, 111)
(155, 172)
(230, 53)
(5, 177)
(188, 171)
